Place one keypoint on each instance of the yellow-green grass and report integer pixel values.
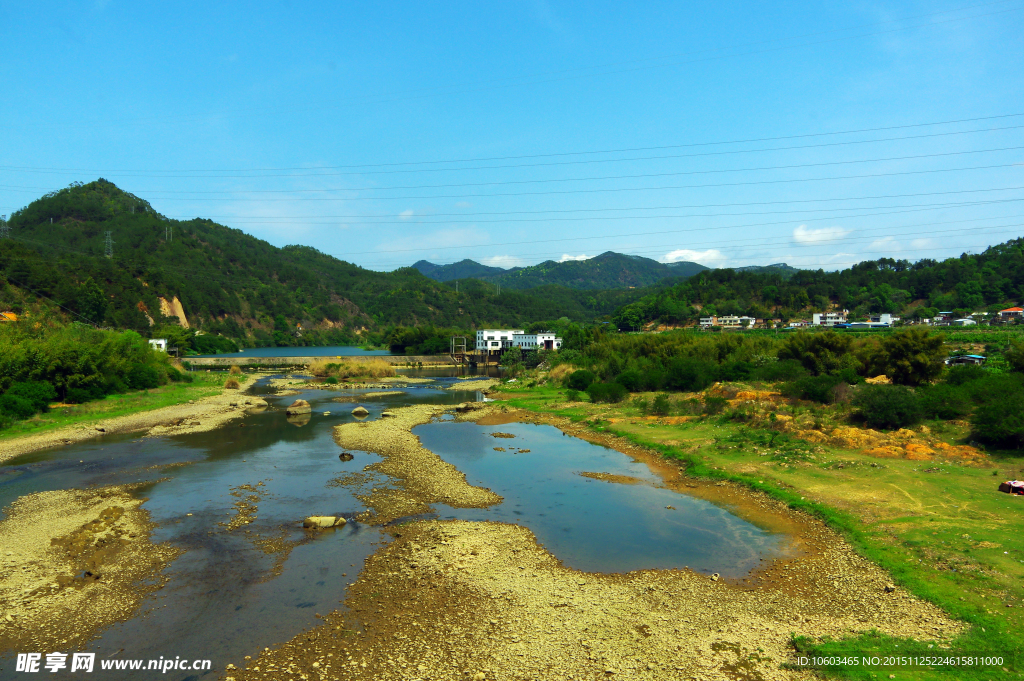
(942, 529)
(203, 385)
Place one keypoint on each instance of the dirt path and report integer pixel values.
(195, 417)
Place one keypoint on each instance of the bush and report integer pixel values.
(783, 370)
(888, 406)
(690, 374)
(819, 352)
(642, 405)
(572, 395)
(737, 371)
(661, 405)
(817, 388)
(631, 379)
(606, 392)
(964, 373)
(1015, 356)
(235, 370)
(945, 402)
(79, 396)
(231, 384)
(715, 405)
(331, 380)
(581, 380)
(16, 407)
(1001, 421)
(37, 393)
(913, 356)
(143, 377)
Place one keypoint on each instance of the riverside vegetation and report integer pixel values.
(875, 436)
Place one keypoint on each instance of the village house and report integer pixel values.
(829, 318)
(497, 340)
(1011, 313)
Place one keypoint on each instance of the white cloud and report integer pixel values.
(406, 214)
(886, 244)
(505, 261)
(712, 257)
(920, 244)
(566, 257)
(812, 237)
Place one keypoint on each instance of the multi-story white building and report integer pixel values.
(829, 318)
(496, 340)
(734, 322)
(708, 321)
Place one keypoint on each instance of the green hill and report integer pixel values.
(606, 271)
(233, 284)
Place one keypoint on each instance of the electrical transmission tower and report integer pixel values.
(108, 245)
(167, 233)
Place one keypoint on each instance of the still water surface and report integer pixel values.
(224, 598)
(325, 351)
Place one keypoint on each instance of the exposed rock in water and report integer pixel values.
(387, 414)
(360, 411)
(345, 456)
(298, 407)
(319, 522)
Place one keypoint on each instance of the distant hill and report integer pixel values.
(464, 269)
(606, 271)
(780, 268)
(228, 282)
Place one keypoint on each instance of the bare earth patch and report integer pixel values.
(73, 562)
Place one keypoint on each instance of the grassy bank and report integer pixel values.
(203, 385)
(939, 526)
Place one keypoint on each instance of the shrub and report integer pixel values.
(581, 380)
(888, 406)
(331, 380)
(690, 407)
(690, 374)
(79, 396)
(631, 379)
(819, 352)
(737, 371)
(369, 367)
(231, 384)
(661, 405)
(783, 370)
(235, 370)
(37, 393)
(715, 405)
(572, 395)
(964, 373)
(816, 388)
(1015, 356)
(1001, 421)
(913, 356)
(642, 404)
(993, 386)
(559, 373)
(16, 407)
(142, 377)
(945, 402)
(606, 392)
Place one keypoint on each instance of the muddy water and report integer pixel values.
(237, 590)
(592, 524)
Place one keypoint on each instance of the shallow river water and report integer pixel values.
(227, 597)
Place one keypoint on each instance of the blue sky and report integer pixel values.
(817, 134)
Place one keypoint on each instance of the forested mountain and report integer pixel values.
(606, 271)
(988, 281)
(234, 284)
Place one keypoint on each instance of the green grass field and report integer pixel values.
(112, 406)
(940, 527)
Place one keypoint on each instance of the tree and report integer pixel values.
(512, 361)
(1015, 355)
(820, 353)
(913, 356)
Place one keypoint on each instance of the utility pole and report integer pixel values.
(167, 233)
(108, 245)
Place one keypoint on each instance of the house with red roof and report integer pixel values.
(1011, 312)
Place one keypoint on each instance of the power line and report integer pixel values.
(165, 175)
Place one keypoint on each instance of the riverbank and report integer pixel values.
(73, 563)
(173, 409)
(482, 600)
(936, 523)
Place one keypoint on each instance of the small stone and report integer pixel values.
(889, 588)
(387, 414)
(298, 407)
(479, 676)
(360, 411)
(714, 577)
(320, 522)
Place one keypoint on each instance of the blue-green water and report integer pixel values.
(300, 351)
(591, 524)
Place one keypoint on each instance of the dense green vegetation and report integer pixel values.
(606, 271)
(984, 282)
(235, 285)
(44, 363)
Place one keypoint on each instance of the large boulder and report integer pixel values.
(320, 522)
(298, 407)
(360, 411)
(387, 414)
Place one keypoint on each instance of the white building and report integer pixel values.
(829, 318)
(734, 322)
(884, 318)
(158, 344)
(706, 322)
(496, 340)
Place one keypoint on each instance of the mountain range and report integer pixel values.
(606, 271)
